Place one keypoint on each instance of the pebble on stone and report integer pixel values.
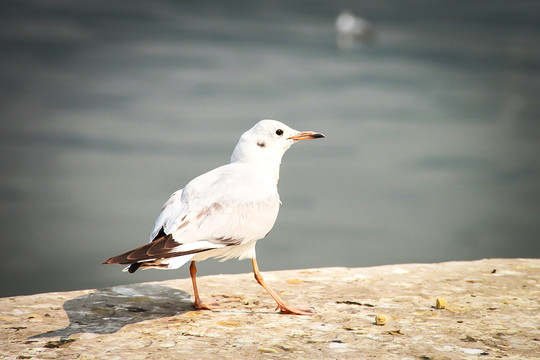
(441, 303)
(380, 319)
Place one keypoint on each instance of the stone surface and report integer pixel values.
(492, 312)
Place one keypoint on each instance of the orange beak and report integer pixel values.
(305, 135)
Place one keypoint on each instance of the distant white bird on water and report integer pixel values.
(351, 29)
(223, 212)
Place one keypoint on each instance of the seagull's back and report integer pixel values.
(238, 202)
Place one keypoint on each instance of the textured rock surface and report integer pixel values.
(493, 311)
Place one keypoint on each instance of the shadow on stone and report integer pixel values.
(107, 310)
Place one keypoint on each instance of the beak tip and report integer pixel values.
(307, 135)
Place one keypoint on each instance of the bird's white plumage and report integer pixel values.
(223, 212)
(226, 210)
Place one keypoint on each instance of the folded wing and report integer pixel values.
(193, 221)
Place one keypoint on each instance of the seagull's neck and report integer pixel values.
(275, 172)
(267, 162)
(265, 168)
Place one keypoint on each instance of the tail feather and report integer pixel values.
(149, 255)
(160, 264)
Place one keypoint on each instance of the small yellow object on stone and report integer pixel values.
(380, 319)
(441, 303)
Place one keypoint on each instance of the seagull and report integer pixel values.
(350, 29)
(222, 213)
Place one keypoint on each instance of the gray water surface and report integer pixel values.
(432, 131)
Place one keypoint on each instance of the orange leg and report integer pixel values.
(284, 309)
(198, 304)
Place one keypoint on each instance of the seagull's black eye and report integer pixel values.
(279, 132)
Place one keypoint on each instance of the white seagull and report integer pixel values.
(223, 212)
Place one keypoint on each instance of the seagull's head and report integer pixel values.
(268, 140)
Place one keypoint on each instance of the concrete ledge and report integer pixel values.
(493, 312)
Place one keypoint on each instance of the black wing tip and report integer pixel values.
(133, 267)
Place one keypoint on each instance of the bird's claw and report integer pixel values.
(284, 309)
(206, 306)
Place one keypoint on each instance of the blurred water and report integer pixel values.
(108, 107)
